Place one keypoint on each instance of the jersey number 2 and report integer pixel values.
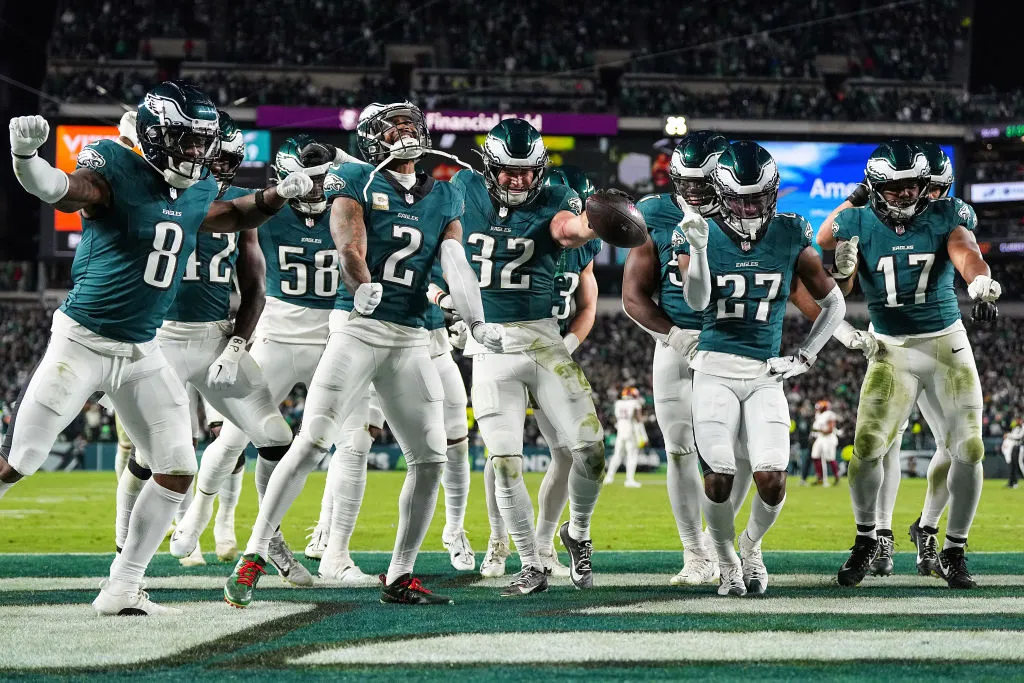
(508, 279)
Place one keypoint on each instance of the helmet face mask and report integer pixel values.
(746, 181)
(303, 153)
(690, 167)
(515, 162)
(397, 130)
(940, 170)
(898, 174)
(178, 132)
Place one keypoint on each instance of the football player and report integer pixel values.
(738, 271)
(824, 443)
(575, 310)
(652, 296)
(141, 215)
(389, 224)
(302, 281)
(904, 248)
(628, 412)
(515, 229)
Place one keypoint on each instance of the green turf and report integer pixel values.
(74, 512)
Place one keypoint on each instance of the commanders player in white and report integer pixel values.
(825, 442)
(628, 414)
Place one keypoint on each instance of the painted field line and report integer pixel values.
(803, 580)
(72, 636)
(678, 646)
(716, 605)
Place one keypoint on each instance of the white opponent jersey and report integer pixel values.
(822, 421)
(628, 409)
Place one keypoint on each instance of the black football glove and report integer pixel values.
(984, 313)
(861, 195)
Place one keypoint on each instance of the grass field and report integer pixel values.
(631, 626)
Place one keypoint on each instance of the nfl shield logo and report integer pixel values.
(900, 229)
(745, 245)
(310, 222)
(408, 199)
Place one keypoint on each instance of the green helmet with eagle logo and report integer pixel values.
(571, 176)
(940, 167)
(175, 116)
(898, 166)
(514, 145)
(232, 151)
(303, 153)
(690, 168)
(746, 180)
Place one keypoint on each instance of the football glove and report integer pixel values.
(695, 228)
(680, 342)
(490, 335)
(984, 288)
(861, 194)
(296, 184)
(984, 313)
(224, 370)
(458, 334)
(368, 294)
(784, 367)
(28, 133)
(572, 342)
(846, 257)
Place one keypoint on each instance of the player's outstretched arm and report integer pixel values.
(639, 285)
(252, 283)
(571, 231)
(586, 309)
(253, 210)
(848, 335)
(827, 296)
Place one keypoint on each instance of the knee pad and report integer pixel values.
(139, 471)
(868, 444)
(180, 461)
(589, 461)
(971, 451)
(358, 441)
(455, 426)
(277, 431)
(507, 469)
(322, 430)
(272, 453)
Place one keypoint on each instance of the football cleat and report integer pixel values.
(117, 598)
(405, 590)
(732, 581)
(550, 562)
(459, 551)
(196, 559)
(755, 574)
(696, 570)
(184, 541)
(855, 568)
(493, 564)
(632, 484)
(291, 570)
(953, 565)
(345, 576)
(927, 550)
(580, 569)
(529, 580)
(317, 542)
(241, 584)
(227, 550)
(881, 563)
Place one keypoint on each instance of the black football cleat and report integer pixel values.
(856, 566)
(405, 590)
(927, 550)
(881, 563)
(529, 580)
(953, 565)
(580, 570)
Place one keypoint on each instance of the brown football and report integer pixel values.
(615, 219)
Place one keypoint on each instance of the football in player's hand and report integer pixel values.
(615, 219)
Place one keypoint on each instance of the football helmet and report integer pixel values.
(303, 153)
(571, 176)
(397, 131)
(746, 181)
(821, 406)
(690, 169)
(630, 392)
(232, 152)
(941, 169)
(514, 145)
(175, 121)
(901, 167)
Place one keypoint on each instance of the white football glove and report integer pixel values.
(680, 342)
(695, 228)
(28, 133)
(864, 342)
(296, 184)
(447, 305)
(784, 367)
(491, 335)
(846, 257)
(368, 294)
(224, 370)
(572, 342)
(984, 288)
(127, 130)
(458, 334)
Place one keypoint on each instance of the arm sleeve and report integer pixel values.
(833, 310)
(697, 283)
(462, 282)
(40, 179)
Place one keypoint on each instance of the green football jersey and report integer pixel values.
(571, 263)
(750, 285)
(205, 291)
(302, 263)
(403, 235)
(906, 274)
(662, 215)
(511, 249)
(130, 261)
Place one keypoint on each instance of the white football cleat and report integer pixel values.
(227, 544)
(345, 576)
(317, 542)
(184, 541)
(195, 559)
(632, 484)
(119, 599)
(696, 570)
(291, 570)
(755, 574)
(550, 562)
(732, 580)
(461, 553)
(494, 560)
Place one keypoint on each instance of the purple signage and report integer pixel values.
(440, 121)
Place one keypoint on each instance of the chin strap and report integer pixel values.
(391, 157)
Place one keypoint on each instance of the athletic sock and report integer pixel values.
(721, 528)
(499, 532)
(584, 488)
(227, 500)
(685, 490)
(516, 507)
(936, 495)
(965, 483)
(552, 497)
(455, 481)
(281, 490)
(415, 510)
(742, 480)
(890, 486)
(865, 480)
(129, 486)
(349, 486)
(150, 521)
(762, 517)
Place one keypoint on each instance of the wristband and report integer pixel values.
(263, 207)
(24, 156)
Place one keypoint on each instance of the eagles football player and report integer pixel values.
(389, 224)
(515, 229)
(738, 271)
(141, 215)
